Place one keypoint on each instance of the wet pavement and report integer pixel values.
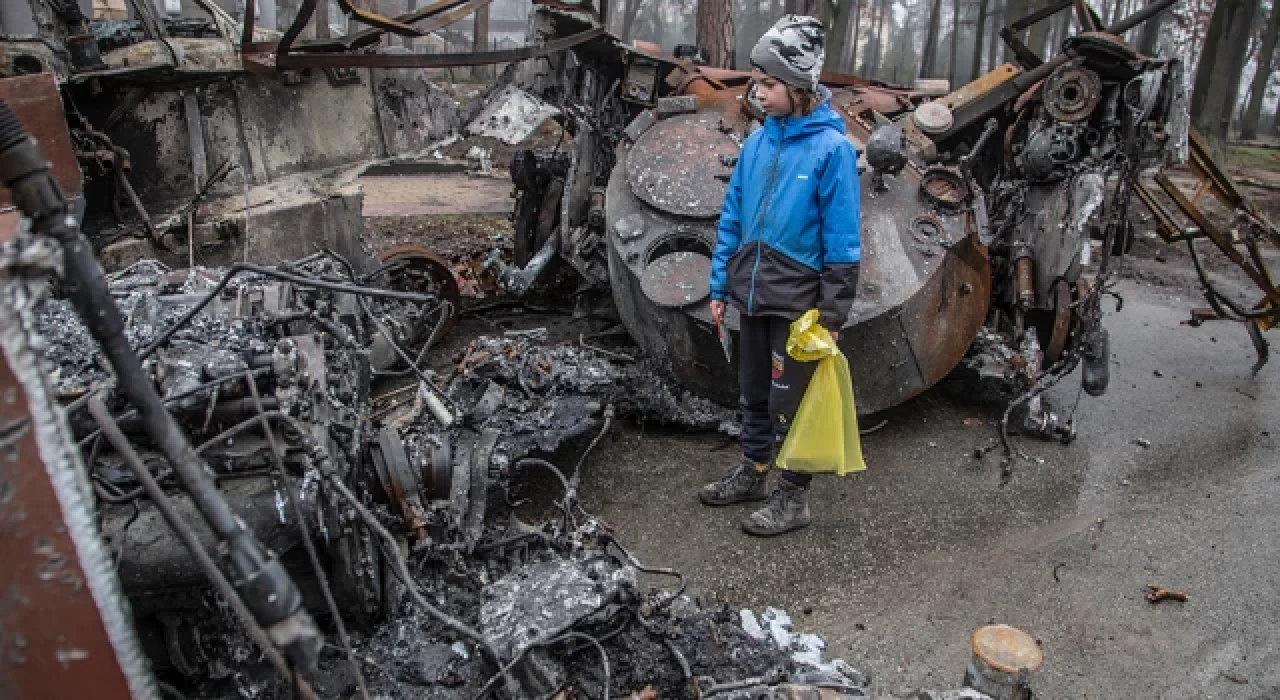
(905, 560)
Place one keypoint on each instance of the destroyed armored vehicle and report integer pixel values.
(979, 216)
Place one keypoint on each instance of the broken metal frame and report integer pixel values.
(1211, 179)
(1085, 14)
(336, 53)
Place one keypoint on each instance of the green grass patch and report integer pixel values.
(1254, 157)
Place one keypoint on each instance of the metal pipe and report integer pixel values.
(1140, 16)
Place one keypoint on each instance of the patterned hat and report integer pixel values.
(792, 51)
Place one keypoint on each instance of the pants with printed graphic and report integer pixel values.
(772, 384)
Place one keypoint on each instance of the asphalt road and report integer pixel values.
(904, 561)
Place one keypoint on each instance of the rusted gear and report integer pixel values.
(412, 268)
(1071, 93)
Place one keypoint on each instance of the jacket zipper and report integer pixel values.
(770, 185)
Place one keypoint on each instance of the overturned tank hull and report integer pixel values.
(923, 291)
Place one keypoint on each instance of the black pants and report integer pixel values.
(772, 384)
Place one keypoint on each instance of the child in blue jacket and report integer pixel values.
(788, 242)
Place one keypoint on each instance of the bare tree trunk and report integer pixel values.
(1261, 75)
(1149, 39)
(979, 31)
(928, 59)
(629, 12)
(838, 38)
(715, 31)
(1217, 82)
(878, 61)
(994, 43)
(955, 43)
(853, 43)
(791, 7)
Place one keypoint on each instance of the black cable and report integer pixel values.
(278, 457)
(506, 669)
(652, 570)
(1047, 381)
(316, 282)
(1211, 294)
(604, 656)
(604, 430)
(237, 429)
(119, 498)
(538, 462)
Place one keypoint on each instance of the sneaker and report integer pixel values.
(786, 509)
(743, 483)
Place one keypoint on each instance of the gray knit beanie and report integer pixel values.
(792, 51)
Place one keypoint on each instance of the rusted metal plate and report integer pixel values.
(983, 85)
(412, 268)
(676, 166)
(53, 640)
(677, 279)
(35, 100)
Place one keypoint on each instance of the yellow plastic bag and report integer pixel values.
(824, 434)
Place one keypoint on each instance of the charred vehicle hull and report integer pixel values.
(981, 211)
(924, 285)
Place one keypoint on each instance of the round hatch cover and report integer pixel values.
(677, 279)
(933, 118)
(677, 165)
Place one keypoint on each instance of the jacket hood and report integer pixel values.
(821, 119)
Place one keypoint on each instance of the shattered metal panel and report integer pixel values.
(511, 116)
(540, 601)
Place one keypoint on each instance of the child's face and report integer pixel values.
(772, 95)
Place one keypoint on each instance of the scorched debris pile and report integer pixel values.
(432, 461)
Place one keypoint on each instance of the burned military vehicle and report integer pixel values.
(980, 206)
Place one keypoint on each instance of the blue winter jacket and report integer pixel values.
(789, 238)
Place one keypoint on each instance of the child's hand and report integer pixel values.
(717, 311)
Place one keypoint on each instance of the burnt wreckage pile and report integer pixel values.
(425, 511)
